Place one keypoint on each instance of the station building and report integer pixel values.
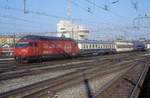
(68, 29)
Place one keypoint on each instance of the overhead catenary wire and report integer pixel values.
(16, 18)
(85, 9)
(36, 13)
(135, 5)
(105, 9)
(79, 5)
(20, 25)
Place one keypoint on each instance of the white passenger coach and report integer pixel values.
(102, 47)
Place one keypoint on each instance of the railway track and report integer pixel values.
(75, 76)
(36, 68)
(13, 66)
(128, 84)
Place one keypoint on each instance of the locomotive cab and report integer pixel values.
(25, 51)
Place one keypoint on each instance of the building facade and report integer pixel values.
(8, 41)
(70, 30)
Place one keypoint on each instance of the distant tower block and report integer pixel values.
(67, 29)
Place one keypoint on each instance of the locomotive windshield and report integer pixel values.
(22, 44)
(26, 44)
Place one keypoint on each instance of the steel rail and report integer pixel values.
(142, 76)
(31, 71)
(88, 74)
(24, 91)
(108, 84)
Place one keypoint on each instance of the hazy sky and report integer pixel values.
(43, 15)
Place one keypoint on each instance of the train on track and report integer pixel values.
(34, 47)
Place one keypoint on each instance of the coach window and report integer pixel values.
(98, 45)
(87, 46)
(101, 46)
(109, 46)
(112, 46)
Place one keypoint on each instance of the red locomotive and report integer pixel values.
(33, 47)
